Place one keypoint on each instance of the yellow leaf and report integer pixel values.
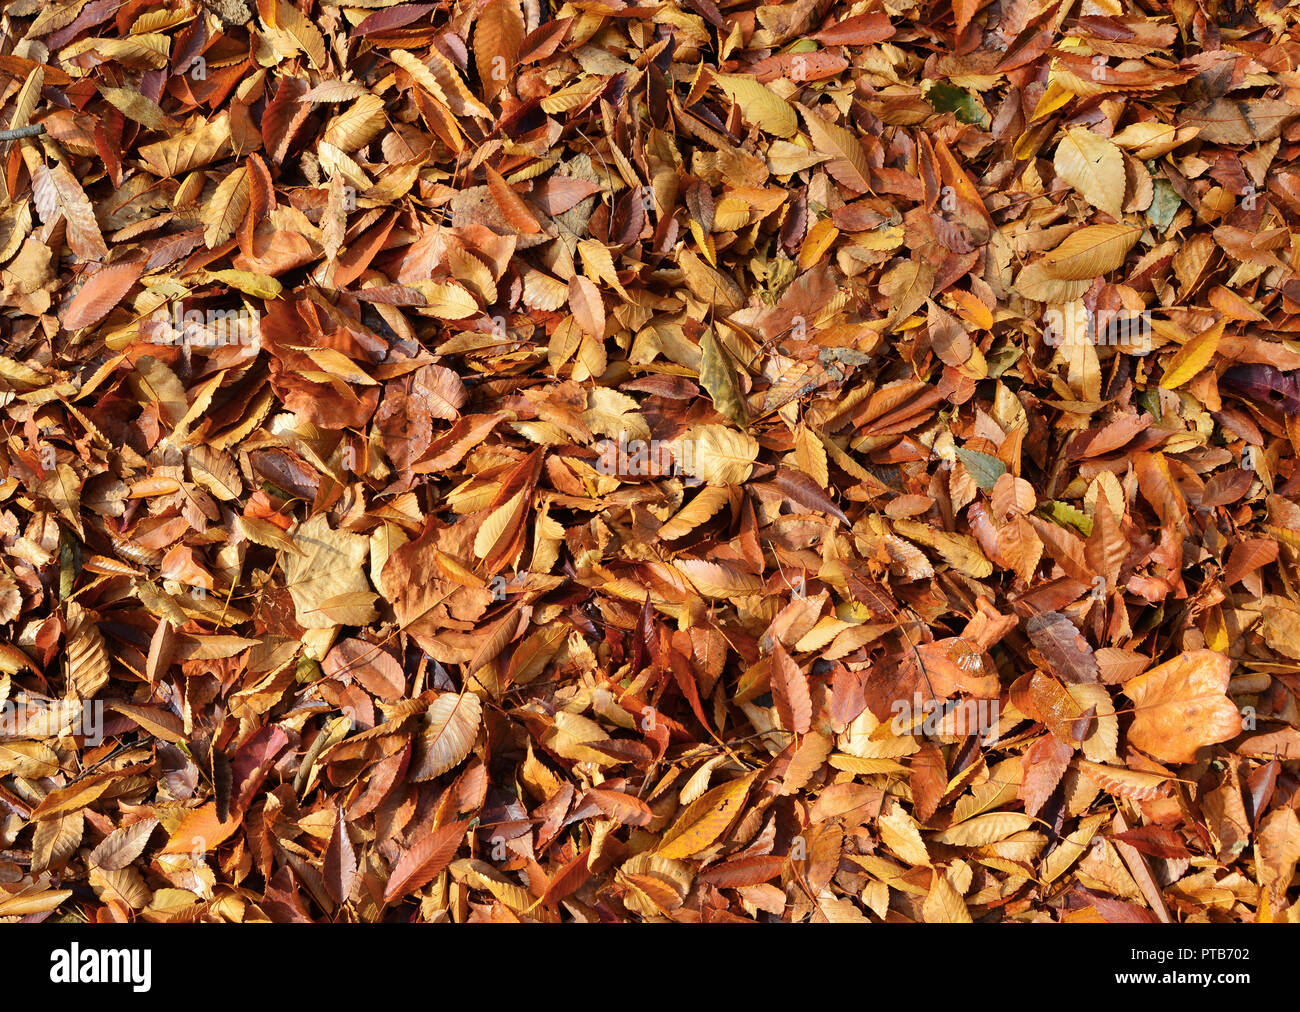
(708, 284)
(1151, 140)
(55, 840)
(134, 105)
(450, 726)
(265, 533)
(848, 161)
(598, 264)
(499, 524)
(446, 301)
(984, 829)
(898, 832)
(87, 656)
(704, 821)
(481, 875)
(1192, 357)
(760, 105)
(260, 286)
(305, 34)
(1137, 785)
(1093, 166)
(571, 96)
(28, 97)
(943, 904)
(1071, 848)
(1091, 252)
(21, 904)
(227, 208)
(203, 142)
(357, 125)
(721, 456)
(457, 97)
(908, 285)
(719, 379)
(818, 240)
(419, 73)
(329, 564)
(62, 488)
(810, 455)
(700, 509)
(713, 579)
(334, 363)
(960, 551)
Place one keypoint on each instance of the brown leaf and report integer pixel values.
(1044, 762)
(511, 205)
(426, 858)
(1181, 705)
(100, 294)
(1068, 653)
(587, 306)
(340, 861)
(56, 192)
(498, 33)
(790, 692)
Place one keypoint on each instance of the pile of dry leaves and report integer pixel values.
(493, 460)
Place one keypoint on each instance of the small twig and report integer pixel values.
(27, 131)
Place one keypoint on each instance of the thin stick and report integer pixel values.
(26, 131)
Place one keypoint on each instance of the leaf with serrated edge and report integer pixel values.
(705, 819)
(450, 727)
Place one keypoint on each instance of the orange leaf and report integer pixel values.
(200, 828)
(418, 865)
(100, 294)
(790, 692)
(587, 305)
(511, 205)
(1182, 705)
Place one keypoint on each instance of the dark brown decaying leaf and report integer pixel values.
(1068, 653)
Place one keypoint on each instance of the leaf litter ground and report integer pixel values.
(500, 461)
